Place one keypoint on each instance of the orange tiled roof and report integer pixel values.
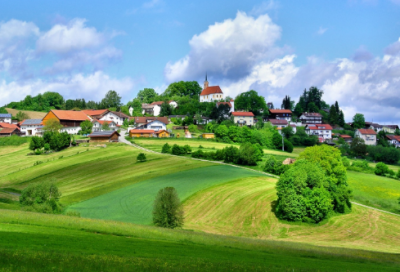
(242, 113)
(144, 131)
(344, 136)
(70, 115)
(211, 90)
(367, 131)
(95, 112)
(8, 130)
(224, 103)
(280, 111)
(7, 125)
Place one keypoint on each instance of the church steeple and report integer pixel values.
(206, 83)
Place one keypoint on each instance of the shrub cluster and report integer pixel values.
(180, 150)
(273, 166)
(360, 166)
(50, 141)
(42, 197)
(313, 187)
(379, 153)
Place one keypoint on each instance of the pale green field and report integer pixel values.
(243, 208)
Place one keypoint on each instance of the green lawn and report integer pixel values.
(376, 191)
(245, 208)
(134, 203)
(38, 242)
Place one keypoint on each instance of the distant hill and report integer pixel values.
(31, 114)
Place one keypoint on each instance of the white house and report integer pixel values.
(243, 118)
(394, 140)
(280, 114)
(311, 118)
(117, 117)
(155, 125)
(32, 127)
(211, 93)
(231, 105)
(5, 118)
(369, 136)
(321, 130)
(279, 123)
(98, 125)
(151, 109)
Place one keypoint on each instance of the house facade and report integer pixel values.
(148, 133)
(32, 127)
(346, 138)
(155, 125)
(393, 140)
(139, 121)
(151, 109)
(98, 125)
(243, 118)
(280, 114)
(279, 123)
(9, 131)
(5, 118)
(390, 128)
(323, 131)
(368, 135)
(311, 118)
(104, 136)
(211, 93)
(117, 117)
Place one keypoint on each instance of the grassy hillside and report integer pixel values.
(38, 242)
(244, 208)
(86, 172)
(31, 114)
(134, 203)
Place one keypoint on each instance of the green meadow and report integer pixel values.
(40, 242)
(134, 203)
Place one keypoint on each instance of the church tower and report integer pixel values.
(205, 83)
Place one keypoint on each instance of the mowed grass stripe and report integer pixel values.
(245, 208)
(134, 203)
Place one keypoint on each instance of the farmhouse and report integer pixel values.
(323, 131)
(32, 127)
(243, 118)
(311, 118)
(151, 109)
(155, 125)
(147, 133)
(280, 114)
(139, 121)
(70, 120)
(104, 136)
(346, 138)
(98, 125)
(117, 117)
(9, 131)
(390, 128)
(211, 93)
(5, 118)
(368, 135)
(394, 140)
(279, 123)
(96, 114)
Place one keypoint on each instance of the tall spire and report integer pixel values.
(206, 76)
(206, 82)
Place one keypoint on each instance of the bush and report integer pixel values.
(192, 128)
(187, 149)
(166, 148)
(274, 166)
(381, 169)
(177, 150)
(358, 147)
(41, 197)
(231, 154)
(46, 147)
(141, 157)
(288, 146)
(346, 162)
(167, 209)
(361, 166)
(249, 154)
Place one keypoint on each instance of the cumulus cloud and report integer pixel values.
(73, 36)
(321, 30)
(91, 87)
(229, 49)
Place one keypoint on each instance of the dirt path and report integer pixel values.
(123, 140)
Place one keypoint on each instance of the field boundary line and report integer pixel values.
(123, 140)
(372, 208)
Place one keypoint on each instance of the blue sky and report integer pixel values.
(350, 49)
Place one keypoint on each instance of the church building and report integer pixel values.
(211, 93)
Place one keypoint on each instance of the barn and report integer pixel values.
(104, 136)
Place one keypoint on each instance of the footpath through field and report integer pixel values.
(123, 140)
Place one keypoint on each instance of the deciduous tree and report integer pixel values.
(167, 209)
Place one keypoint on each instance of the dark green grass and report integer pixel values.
(134, 203)
(37, 242)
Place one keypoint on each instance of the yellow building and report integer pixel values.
(208, 135)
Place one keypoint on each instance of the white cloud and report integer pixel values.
(15, 29)
(66, 38)
(321, 30)
(228, 49)
(264, 7)
(90, 87)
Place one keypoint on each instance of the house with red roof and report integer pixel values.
(394, 140)
(311, 118)
(9, 131)
(98, 125)
(231, 105)
(211, 93)
(243, 118)
(69, 119)
(369, 135)
(323, 131)
(280, 114)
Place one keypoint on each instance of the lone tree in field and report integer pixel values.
(167, 210)
(141, 157)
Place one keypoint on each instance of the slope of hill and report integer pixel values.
(31, 114)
